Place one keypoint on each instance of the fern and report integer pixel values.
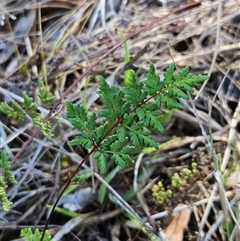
(6, 177)
(29, 235)
(131, 112)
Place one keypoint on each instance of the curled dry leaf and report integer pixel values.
(175, 230)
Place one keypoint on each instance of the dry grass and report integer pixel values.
(64, 38)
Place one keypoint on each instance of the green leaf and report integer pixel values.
(26, 232)
(170, 103)
(91, 122)
(112, 97)
(131, 81)
(125, 108)
(141, 113)
(133, 92)
(181, 74)
(105, 145)
(168, 75)
(109, 114)
(140, 136)
(192, 79)
(81, 177)
(101, 158)
(122, 160)
(152, 81)
(128, 149)
(177, 93)
(45, 126)
(99, 132)
(150, 106)
(6, 166)
(128, 119)
(118, 145)
(83, 140)
(77, 116)
(158, 101)
(36, 236)
(6, 176)
(121, 133)
(152, 120)
(149, 115)
(186, 87)
(198, 78)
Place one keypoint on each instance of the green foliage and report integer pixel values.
(159, 194)
(131, 112)
(194, 168)
(6, 176)
(81, 177)
(185, 176)
(29, 104)
(14, 110)
(28, 234)
(176, 180)
(44, 93)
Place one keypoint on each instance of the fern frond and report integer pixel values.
(170, 103)
(133, 91)
(140, 136)
(100, 131)
(101, 157)
(169, 75)
(28, 234)
(112, 97)
(78, 117)
(83, 140)
(152, 81)
(181, 74)
(133, 110)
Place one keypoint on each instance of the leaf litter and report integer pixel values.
(69, 36)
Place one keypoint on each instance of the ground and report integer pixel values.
(59, 41)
